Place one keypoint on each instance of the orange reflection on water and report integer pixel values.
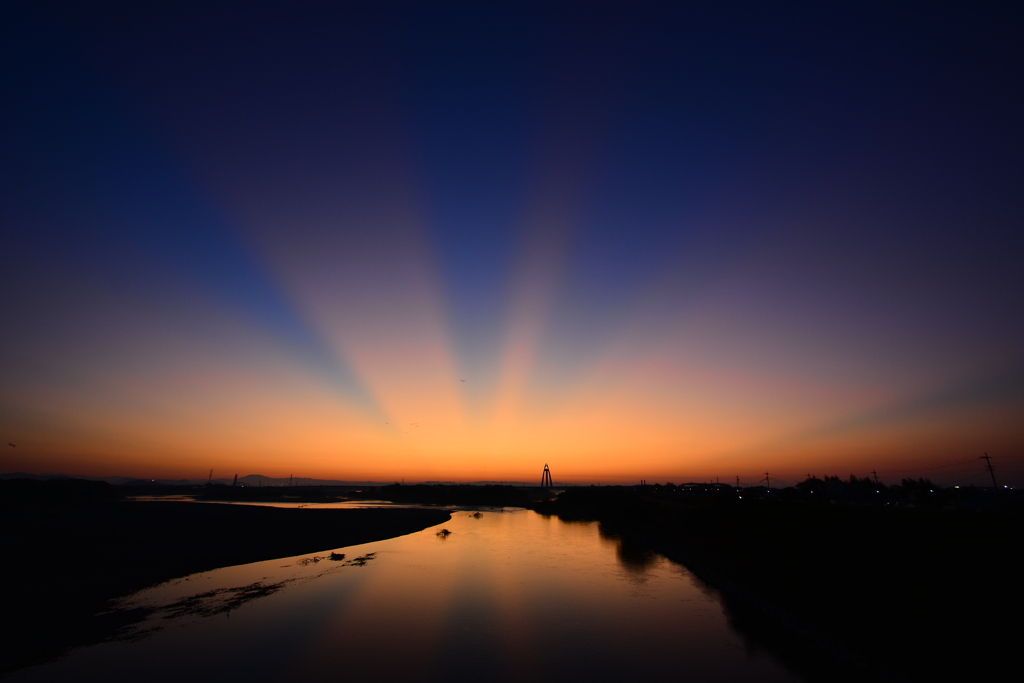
(508, 596)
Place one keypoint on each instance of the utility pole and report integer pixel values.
(875, 473)
(737, 482)
(768, 481)
(235, 482)
(991, 469)
(209, 481)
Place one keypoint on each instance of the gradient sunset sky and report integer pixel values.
(440, 241)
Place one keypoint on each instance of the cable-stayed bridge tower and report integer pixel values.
(545, 478)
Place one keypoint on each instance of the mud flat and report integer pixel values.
(69, 550)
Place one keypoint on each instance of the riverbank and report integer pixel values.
(488, 495)
(840, 592)
(72, 547)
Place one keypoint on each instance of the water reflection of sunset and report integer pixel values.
(507, 596)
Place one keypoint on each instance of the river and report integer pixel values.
(508, 595)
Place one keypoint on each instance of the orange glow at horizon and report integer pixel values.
(664, 408)
(691, 379)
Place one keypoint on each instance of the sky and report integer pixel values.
(457, 241)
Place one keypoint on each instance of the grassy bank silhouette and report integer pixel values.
(856, 584)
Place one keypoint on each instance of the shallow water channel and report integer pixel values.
(509, 595)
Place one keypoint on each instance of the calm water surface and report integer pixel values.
(508, 596)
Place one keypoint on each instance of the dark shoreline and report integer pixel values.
(844, 588)
(838, 592)
(68, 556)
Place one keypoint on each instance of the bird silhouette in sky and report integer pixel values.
(463, 381)
(11, 444)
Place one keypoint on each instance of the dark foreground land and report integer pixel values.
(71, 547)
(841, 591)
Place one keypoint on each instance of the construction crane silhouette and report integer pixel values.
(545, 478)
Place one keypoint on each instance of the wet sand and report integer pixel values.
(64, 563)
